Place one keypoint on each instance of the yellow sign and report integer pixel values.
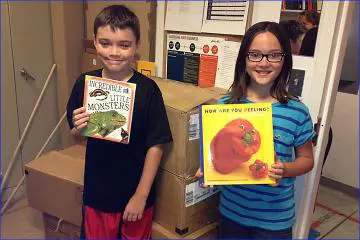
(146, 68)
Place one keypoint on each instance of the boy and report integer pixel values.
(295, 33)
(118, 181)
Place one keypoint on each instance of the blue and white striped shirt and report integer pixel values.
(265, 206)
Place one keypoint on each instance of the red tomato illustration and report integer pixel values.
(259, 169)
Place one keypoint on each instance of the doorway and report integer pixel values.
(26, 46)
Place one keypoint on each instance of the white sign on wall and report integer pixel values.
(222, 17)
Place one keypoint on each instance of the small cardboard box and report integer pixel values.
(90, 62)
(57, 228)
(209, 231)
(182, 157)
(181, 206)
(55, 183)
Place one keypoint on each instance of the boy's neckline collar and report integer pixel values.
(126, 79)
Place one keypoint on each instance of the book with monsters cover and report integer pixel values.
(110, 105)
(236, 143)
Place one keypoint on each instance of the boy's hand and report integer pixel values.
(135, 208)
(80, 118)
(277, 170)
(198, 175)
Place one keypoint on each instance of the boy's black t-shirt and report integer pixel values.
(308, 44)
(113, 170)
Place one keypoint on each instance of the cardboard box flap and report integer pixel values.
(75, 151)
(208, 231)
(184, 96)
(58, 165)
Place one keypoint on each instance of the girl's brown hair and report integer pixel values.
(242, 78)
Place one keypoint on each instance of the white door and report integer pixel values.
(329, 56)
(27, 45)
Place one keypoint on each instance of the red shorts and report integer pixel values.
(101, 225)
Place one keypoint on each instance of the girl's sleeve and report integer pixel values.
(157, 124)
(305, 130)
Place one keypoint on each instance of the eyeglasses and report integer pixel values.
(271, 57)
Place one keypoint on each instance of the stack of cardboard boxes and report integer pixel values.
(183, 209)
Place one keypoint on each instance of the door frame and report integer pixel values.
(326, 108)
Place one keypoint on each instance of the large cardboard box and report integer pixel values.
(209, 231)
(55, 183)
(181, 206)
(181, 100)
(75, 151)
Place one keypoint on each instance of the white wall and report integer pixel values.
(266, 11)
(342, 163)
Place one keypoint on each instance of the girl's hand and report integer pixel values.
(80, 118)
(277, 170)
(135, 208)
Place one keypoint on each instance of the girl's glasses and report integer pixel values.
(271, 57)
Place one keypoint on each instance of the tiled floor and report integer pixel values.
(21, 221)
(336, 217)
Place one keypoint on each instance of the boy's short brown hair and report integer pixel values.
(312, 16)
(118, 17)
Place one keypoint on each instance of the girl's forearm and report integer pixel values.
(299, 167)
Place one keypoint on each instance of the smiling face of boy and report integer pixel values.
(116, 49)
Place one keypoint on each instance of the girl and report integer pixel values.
(262, 71)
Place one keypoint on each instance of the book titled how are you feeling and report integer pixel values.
(110, 105)
(236, 143)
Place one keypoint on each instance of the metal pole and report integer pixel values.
(37, 156)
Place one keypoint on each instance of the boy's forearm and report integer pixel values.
(76, 135)
(152, 162)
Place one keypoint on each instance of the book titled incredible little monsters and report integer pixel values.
(236, 144)
(110, 105)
